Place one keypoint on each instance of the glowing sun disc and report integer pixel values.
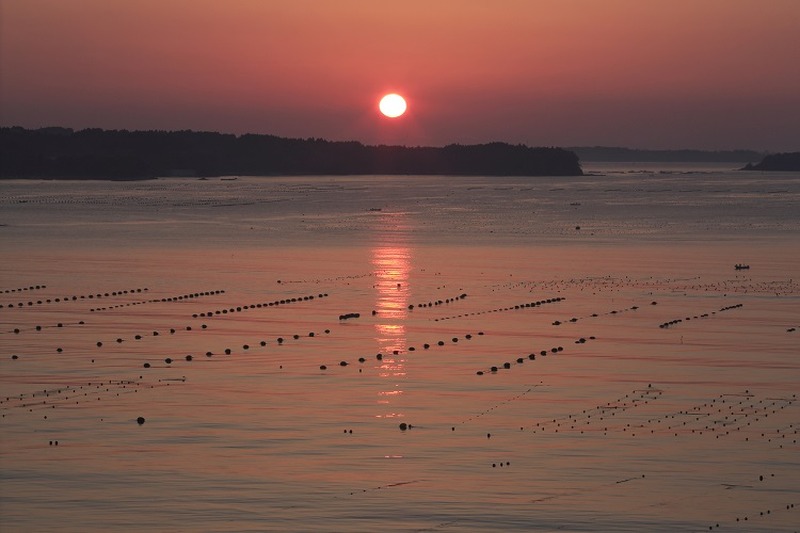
(392, 105)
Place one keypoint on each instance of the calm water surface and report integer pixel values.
(641, 383)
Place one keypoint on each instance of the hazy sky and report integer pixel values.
(712, 74)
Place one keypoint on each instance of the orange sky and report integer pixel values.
(642, 73)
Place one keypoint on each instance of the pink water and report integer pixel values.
(639, 427)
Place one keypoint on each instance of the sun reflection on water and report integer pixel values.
(392, 266)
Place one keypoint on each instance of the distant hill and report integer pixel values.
(122, 154)
(613, 154)
(789, 161)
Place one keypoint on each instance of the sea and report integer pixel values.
(615, 352)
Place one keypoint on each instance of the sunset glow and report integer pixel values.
(450, 265)
(716, 74)
(392, 105)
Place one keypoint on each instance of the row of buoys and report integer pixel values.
(74, 298)
(76, 394)
(117, 306)
(166, 200)
(71, 394)
(239, 309)
(679, 320)
(155, 333)
(438, 302)
(709, 418)
(730, 419)
(166, 299)
(327, 280)
(67, 388)
(745, 286)
(737, 285)
(697, 317)
(635, 398)
(593, 283)
(186, 296)
(17, 331)
(761, 514)
(31, 288)
(499, 405)
(454, 340)
(699, 411)
(229, 351)
(531, 356)
(510, 308)
(426, 346)
(595, 315)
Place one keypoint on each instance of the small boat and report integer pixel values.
(739, 266)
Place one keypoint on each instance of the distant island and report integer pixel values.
(610, 154)
(55, 153)
(787, 162)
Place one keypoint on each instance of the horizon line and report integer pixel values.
(313, 138)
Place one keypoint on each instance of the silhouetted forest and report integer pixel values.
(788, 161)
(122, 154)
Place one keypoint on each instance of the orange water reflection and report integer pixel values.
(392, 266)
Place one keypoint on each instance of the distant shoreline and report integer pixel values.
(119, 155)
(785, 162)
(62, 153)
(608, 154)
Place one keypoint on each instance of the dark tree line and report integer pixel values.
(122, 154)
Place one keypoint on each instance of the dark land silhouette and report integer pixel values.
(618, 154)
(120, 154)
(788, 161)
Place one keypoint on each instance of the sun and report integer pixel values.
(393, 105)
